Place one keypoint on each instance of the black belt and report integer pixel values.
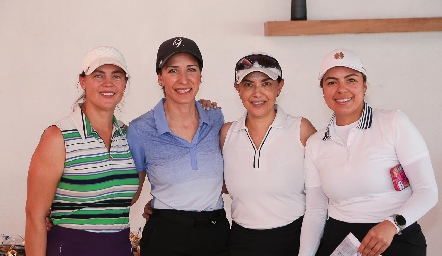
(194, 219)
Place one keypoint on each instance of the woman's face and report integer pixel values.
(104, 88)
(258, 93)
(180, 78)
(344, 89)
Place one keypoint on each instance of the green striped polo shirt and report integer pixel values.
(97, 185)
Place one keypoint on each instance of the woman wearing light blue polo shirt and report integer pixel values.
(177, 144)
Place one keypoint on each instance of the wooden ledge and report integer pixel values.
(318, 27)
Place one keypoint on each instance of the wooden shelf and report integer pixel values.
(318, 27)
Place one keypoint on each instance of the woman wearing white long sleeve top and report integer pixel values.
(347, 171)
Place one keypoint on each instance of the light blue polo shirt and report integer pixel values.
(183, 176)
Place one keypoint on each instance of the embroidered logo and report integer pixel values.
(177, 42)
(339, 55)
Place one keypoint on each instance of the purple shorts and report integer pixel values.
(73, 242)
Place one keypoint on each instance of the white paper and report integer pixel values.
(348, 247)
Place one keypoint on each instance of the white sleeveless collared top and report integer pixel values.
(266, 182)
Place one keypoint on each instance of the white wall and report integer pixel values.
(42, 44)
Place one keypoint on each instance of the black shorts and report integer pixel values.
(279, 241)
(411, 242)
(173, 232)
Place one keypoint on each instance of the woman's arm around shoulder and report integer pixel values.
(44, 173)
(307, 129)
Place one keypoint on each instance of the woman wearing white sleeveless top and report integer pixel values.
(263, 163)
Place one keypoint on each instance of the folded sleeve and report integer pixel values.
(136, 149)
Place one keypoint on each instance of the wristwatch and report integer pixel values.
(399, 221)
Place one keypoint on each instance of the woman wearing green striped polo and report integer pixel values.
(83, 170)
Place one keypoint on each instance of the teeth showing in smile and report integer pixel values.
(258, 102)
(108, 93)
(183, 91)
(343, 100)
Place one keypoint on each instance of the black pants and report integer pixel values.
(411, 242)
(173, 233)
(268, 242)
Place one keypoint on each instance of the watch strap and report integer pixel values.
(400, 226)
(392, 220)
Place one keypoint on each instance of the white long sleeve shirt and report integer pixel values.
(355, 176)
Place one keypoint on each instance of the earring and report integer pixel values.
(160, 84)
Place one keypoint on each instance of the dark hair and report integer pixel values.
(364, 78)
(160, 71)
(200, 64)
(279, 79)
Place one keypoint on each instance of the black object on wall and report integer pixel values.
(299, 10)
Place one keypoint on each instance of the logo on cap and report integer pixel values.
(177, 42)
(339, 55)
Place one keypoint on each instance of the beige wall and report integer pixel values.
(42, 44)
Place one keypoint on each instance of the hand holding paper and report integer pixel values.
(378, 239)
(348, 247)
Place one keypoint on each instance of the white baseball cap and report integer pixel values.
(100, 56)
(341, 58)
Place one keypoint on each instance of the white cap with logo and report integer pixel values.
(341, 58)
